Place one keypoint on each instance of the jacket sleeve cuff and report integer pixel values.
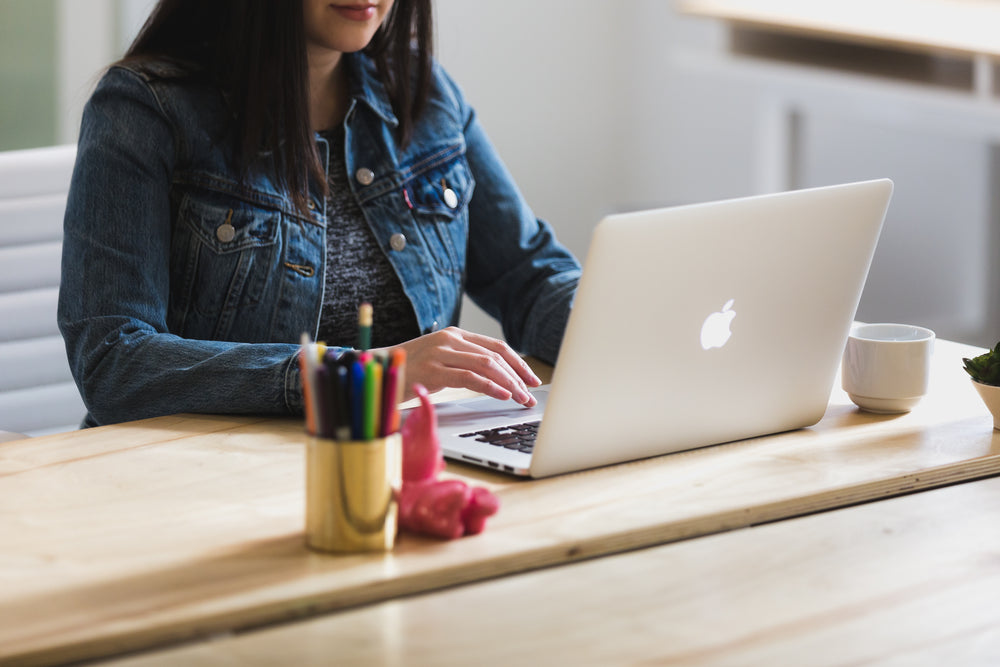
(293, 386)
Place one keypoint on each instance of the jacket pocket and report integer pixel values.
(224, 255)
(438, 197)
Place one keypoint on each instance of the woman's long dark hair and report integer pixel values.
(255, 51)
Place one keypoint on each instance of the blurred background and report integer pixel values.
(599, 106)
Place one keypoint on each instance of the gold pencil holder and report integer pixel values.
(351, 493)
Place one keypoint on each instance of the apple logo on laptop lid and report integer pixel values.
(715, 330)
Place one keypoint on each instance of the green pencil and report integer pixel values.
(372, 426)
(364, 326)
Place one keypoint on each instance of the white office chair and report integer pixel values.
(37, 393)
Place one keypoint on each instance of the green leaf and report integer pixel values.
(986, 367)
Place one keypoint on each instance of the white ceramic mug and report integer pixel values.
(886, 367)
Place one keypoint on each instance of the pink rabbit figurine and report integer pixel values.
(442, 508)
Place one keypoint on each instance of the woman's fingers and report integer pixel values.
(456, 358)
(512, 358)
(483, 371)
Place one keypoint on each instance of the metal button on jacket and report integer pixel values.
(365, 176)
(225, 232)
(450, 198)
(397, 241)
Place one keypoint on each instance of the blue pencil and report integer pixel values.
(357, 401)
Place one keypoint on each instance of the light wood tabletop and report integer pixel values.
(138, 535)
(960, 27)
(905, 581)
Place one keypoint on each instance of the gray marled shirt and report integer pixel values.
(357, 269)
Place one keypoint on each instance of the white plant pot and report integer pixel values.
(991, 397)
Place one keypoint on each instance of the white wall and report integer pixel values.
(932, 266)
(581, 99)
(85, 42)
(545, 80)
(132, 15)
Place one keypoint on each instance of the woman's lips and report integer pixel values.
(355, 12)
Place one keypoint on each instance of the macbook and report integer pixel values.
(691, 326)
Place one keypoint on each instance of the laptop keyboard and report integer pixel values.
(517, 436)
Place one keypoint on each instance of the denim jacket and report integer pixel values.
(186, 290)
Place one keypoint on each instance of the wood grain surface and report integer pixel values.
(143, 534)
(905, 581)
(958, 27)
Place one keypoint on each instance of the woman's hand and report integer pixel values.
(453, 357)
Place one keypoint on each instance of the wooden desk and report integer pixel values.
(911, 580)
(960, 27)
(946, 44)
(142, 534)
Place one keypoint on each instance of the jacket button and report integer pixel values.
(311, 205)
(365, 176)
(397, 242)
(225, 232)
(450, 198)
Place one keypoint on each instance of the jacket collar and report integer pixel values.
(367, 87)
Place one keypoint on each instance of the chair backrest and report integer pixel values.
(37, 392)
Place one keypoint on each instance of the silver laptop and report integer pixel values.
(692, 326)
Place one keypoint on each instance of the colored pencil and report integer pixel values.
(364, 326)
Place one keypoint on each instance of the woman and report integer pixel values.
(252, 170)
